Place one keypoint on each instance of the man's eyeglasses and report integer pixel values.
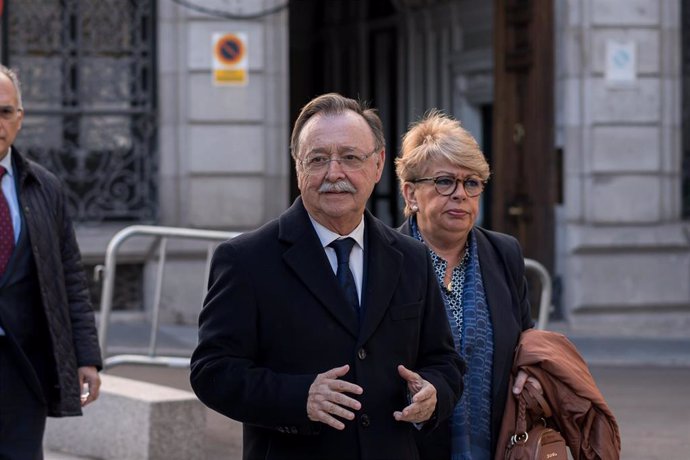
(319, 162)
(7, 112)
(447, 185)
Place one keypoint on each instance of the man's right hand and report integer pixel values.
(327, 399)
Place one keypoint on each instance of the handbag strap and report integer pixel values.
(535, 395)
(520, 422)
(532, 399)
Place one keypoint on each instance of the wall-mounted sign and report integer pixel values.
(230, 59)
(621, 65)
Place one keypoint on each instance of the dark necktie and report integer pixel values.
(347, 281)
(6, 229)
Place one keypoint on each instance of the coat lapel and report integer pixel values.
(306, 257)
(497, 296)
(383, 266)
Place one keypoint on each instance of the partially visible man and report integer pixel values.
(324, 331)
(48, 342)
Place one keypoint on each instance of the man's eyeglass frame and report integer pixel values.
(323, 166)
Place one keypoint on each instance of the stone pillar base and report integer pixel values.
(135, 421)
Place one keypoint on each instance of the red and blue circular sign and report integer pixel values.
(230, 49)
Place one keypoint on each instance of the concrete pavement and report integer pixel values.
(646, 382)
(652, 407)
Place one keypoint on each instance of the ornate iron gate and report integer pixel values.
(88, 77)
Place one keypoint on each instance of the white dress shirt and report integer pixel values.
(356, 256)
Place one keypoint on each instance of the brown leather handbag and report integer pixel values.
(540, 442)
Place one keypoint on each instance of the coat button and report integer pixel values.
(364, 420)
(362, 353)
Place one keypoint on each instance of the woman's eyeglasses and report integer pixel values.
(447, 185)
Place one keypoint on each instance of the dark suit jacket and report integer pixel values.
(503, 274)
(275, 317)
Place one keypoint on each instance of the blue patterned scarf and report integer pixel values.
(470, 323)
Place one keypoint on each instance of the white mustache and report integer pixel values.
(339, 186)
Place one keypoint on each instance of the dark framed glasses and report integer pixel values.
(447, 185)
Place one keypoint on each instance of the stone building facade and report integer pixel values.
(625, 256)
(622, 234)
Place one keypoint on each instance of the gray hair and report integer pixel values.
(12, 75)
(333, 104)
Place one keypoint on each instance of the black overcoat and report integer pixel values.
(274, 317)
(67, 333)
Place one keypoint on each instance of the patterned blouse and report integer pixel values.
(470, 322)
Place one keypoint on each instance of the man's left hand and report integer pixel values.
(423, 398)
(89, 375)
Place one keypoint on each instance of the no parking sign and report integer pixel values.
(230, 59)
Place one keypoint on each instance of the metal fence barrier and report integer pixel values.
(542, 273)
(162, 234)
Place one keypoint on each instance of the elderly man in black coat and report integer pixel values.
(48, 343)
(324, 331)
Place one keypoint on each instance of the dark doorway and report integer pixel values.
(487, 148)
(406, 56)
(349, 47)
(524, 184)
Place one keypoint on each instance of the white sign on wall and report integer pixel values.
(621, 62)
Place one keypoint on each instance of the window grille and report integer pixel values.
(88, 77)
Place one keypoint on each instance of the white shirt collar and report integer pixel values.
(7, 163)
(327, 237)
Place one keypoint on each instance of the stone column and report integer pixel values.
(224, 149)
(224, 156)
(626, 252)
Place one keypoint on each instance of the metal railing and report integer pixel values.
(162, 234)
(542, 273)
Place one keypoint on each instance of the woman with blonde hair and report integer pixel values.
(442, 173)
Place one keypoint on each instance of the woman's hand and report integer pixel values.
(521, 379)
